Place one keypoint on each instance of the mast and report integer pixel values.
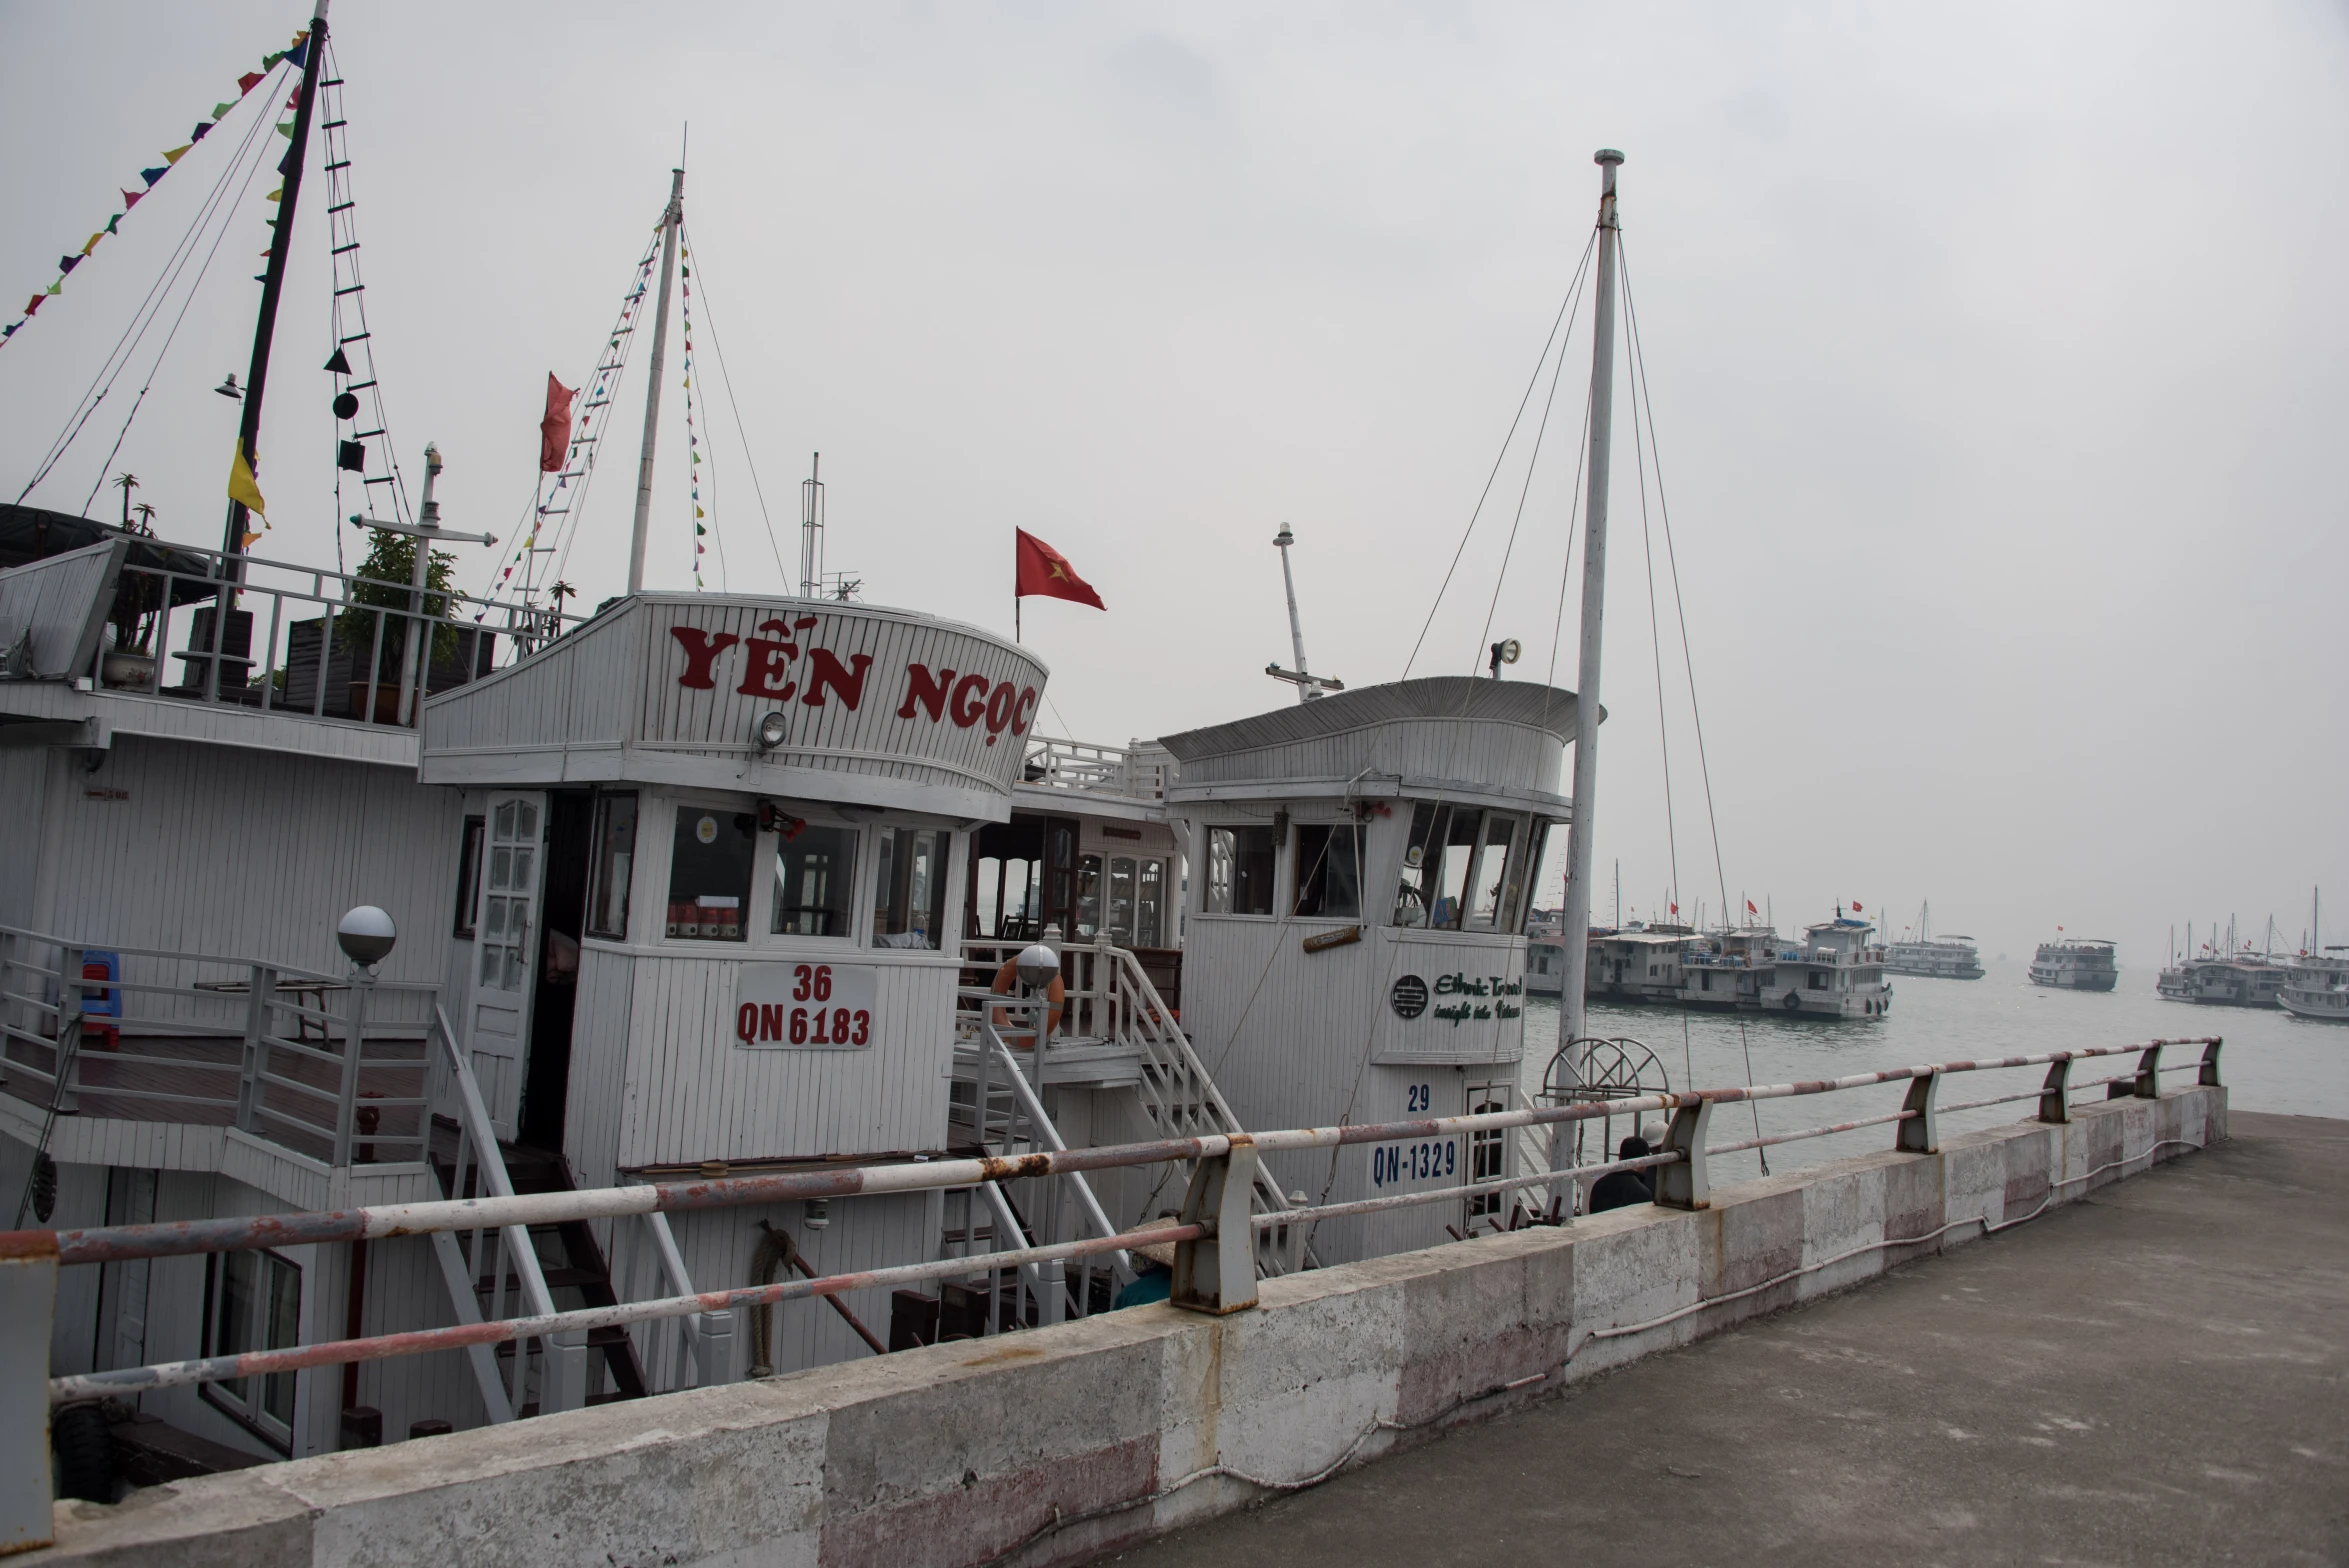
(1308, 686)
(1594, 603)
(670, 220)
(281, 242)
(811, 531)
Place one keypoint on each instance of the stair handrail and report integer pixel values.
(1042, 1127)
(564, 1387)
(1150, 1023)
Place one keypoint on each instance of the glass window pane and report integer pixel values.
(1423, 857)
(1121, 901)
(282, 1329)
(1149, 924)
(492, 964)
(1488, 882)
(815, 881)
(1329, 874)
(909, 894)
(1089, 896)
(1451, 879)
(525, 864)
(1255, 853)
(493, 918)
(501, 868)
(612, 868)
(469, 876)
(709, 871)
(506, 820)
(1220, 855)
(526, 821)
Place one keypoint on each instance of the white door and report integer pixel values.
(498, 1011)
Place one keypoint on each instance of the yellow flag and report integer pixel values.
(242, 486)
(177, 153)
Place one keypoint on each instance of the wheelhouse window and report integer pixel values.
(1436, 863)
(1150, 905)
(1329, 870)
(1089, 897)
(1240, 864)
(815, 881)
(1495, 873)
(909, 894)
(613, 866)
(710, 867)
(253, 1301)
(469, 876)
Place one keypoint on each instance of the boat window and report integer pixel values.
(1121, 900)
(253, 1301)
(1089, 896)
(1423, 853)
(1494, 873)
(1329, 870)
(613, 867)
(1488, 1151)
(1150, 905)
(815, 881)
(1537, 857)
(709, 872)
(909, 894)
(469, 876)
(1240, 865)
(1449, 883)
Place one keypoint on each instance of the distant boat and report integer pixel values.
(1727, 969)
(1943, 958)
(2075, 966)
(1838, 973)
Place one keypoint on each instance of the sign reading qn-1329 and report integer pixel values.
(805, 1007)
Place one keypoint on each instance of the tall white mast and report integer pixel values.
(1308, 686)
(1594, 604)
(670, 221)
(811, 529)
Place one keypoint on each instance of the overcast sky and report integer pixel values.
(2000, 357)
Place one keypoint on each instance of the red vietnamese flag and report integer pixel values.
(1855, 906)
(1045, 572)
(1750, 909)
(554, 431)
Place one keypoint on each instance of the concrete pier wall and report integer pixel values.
(1051, 1446)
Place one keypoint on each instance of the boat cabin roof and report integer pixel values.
(808, 699)
(1465, 739)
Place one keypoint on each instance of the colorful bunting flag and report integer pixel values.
(131, 199)
(220, 110)
(199, 133)
(177, 153)
(152, 175)
(68, 263)
(250, 80)
(285, 128)
(243, 487)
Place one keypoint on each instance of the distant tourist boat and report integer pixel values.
(1838, 973)
(2317, 987)
(1943, 958)
(1727, 969)
(2075, 966)
(2248, 980)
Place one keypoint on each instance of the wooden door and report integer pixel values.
(506, 947)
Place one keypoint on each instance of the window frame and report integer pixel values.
(1227, 836)
(885, 839)
(857, 907)
(598, 866)
(746, 914)
(224, 1395)
(1313, 877)
(471, 840)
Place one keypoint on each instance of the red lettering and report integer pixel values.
(771, 1023)
(999, 707)
(1025, 712)
(701, 651)
(969, 701)
(926, 689)
(763, 667)
(825, 672)
(746, 1022)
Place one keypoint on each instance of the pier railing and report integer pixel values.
(1210, 1274)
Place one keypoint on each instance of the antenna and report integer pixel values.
(811, 529)
(1308, 686)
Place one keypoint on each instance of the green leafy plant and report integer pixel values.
(385, 574)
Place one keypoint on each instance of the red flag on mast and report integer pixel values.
(1044, 572)
(554, 431)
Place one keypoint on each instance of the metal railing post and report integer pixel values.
(2148, 1084)
(2055, 1096)
(2208, 1077)
(1917, 1132)
(67, 1098)
(256, 1053)
(1217, 1272)
(354, 1043)
(28, 1305)
(1685, 1183)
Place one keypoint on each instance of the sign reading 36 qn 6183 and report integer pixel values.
(805, 1007)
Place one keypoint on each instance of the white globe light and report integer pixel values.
(367, 935)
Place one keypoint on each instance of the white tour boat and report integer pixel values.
(2075, 966)
(1939, 958)
(1836, 973)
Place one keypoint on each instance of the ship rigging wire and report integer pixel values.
(1532, 381)
(149, 308)
(726, 379)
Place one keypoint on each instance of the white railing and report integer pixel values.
(1139, 772)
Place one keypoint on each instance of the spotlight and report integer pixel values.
(771, 731)
(229, 389)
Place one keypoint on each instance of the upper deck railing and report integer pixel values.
(195, 625)
(1140, 772)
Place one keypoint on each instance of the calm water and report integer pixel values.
(2272, 1062)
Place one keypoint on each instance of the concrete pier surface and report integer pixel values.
(2156, 1374)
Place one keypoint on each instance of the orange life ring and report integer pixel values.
(1007, 979)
